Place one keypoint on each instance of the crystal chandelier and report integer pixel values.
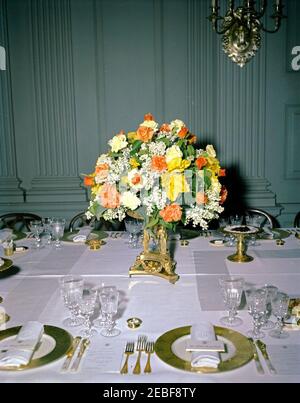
(241, 27)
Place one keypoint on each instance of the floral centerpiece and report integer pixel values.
(158, 173)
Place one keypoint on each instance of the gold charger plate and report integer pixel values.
(7, 264)
(56, 342)
(239, 344)
(68, 236)
(278, 234)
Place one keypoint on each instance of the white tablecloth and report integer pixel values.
(31, 293)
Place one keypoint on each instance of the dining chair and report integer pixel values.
(266, 218)
(18, 221)
(80, 220)
(297, 220)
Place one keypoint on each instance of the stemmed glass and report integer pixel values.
(134, 227)
(47, 223)
(58, 227)
(256, 302)
(232, 289)
(109, 306)
(71, 288)
(102, 320)
(36, 227)
(280, 305)
(87, 308)
(271, 291)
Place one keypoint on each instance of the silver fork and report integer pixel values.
(129, 349)
(141, 344)
(149, 350)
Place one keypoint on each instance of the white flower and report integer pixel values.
(173, 152)
(178, 124)
(135, 179)
(211, 151)
(150, 123)
(130, 200)
(118, 142)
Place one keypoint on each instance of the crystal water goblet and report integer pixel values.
(256, 303)
(47, 223)
(232, 290)
(280, 305)
(109, 303)
(87, 308)
(58, 228)
(71, 288)
(36, 227)
(134, 227)
(271, 292)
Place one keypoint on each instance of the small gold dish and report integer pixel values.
(134, 323)
(184, 242)
(95, 244)
(280, 242)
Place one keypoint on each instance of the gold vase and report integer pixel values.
(155, 261)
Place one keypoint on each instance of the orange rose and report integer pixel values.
(201, 162)
(144, 134)
(171, 213)
(89, 181)
(158, 163)
(222, 172)
(165, 128)
(136, 179)
(223, 194)
(192, 139)
(183, 132)
(102, 171)
(201, 198)
(148, 116)
(110, 197)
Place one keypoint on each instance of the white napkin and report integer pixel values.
(204, 331)
(5, 233)
(83, 234)
(20, 350)
(269, 232)
(1, 262)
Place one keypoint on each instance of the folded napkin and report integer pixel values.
(5, 234)
(20, 350)
(269, 232)
(204, 331)
(83, 234)
(1, 262)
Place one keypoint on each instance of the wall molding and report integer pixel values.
(292, 171)
(9, 182)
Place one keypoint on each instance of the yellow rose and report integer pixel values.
(131, 136)
(210, 151)
(118, 142)
(178, 164)
(174, 184)
(213, 164)
(173, 152)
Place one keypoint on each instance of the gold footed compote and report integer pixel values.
(240, 232)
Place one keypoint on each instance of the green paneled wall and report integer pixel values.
(78, 71)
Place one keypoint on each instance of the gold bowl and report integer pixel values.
(134, 323)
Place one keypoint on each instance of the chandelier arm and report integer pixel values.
(221, 31)
(263, 8)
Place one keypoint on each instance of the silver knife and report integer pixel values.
(71, 354)
(263, 349)
(83, 346)
(259, 367)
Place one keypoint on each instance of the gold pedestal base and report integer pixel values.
(155, 264)
(1, 299)
(240, 258)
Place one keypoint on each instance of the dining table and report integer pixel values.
(31, 292)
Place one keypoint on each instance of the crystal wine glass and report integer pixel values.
(271, 291)
(256, 302)
(36, 227)
(58, 227)
(280, 305)
(232, 289)
(71, 290)
(47, 223)
(102, 320)
(109, 305)
(87, 308)
(134, 227)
